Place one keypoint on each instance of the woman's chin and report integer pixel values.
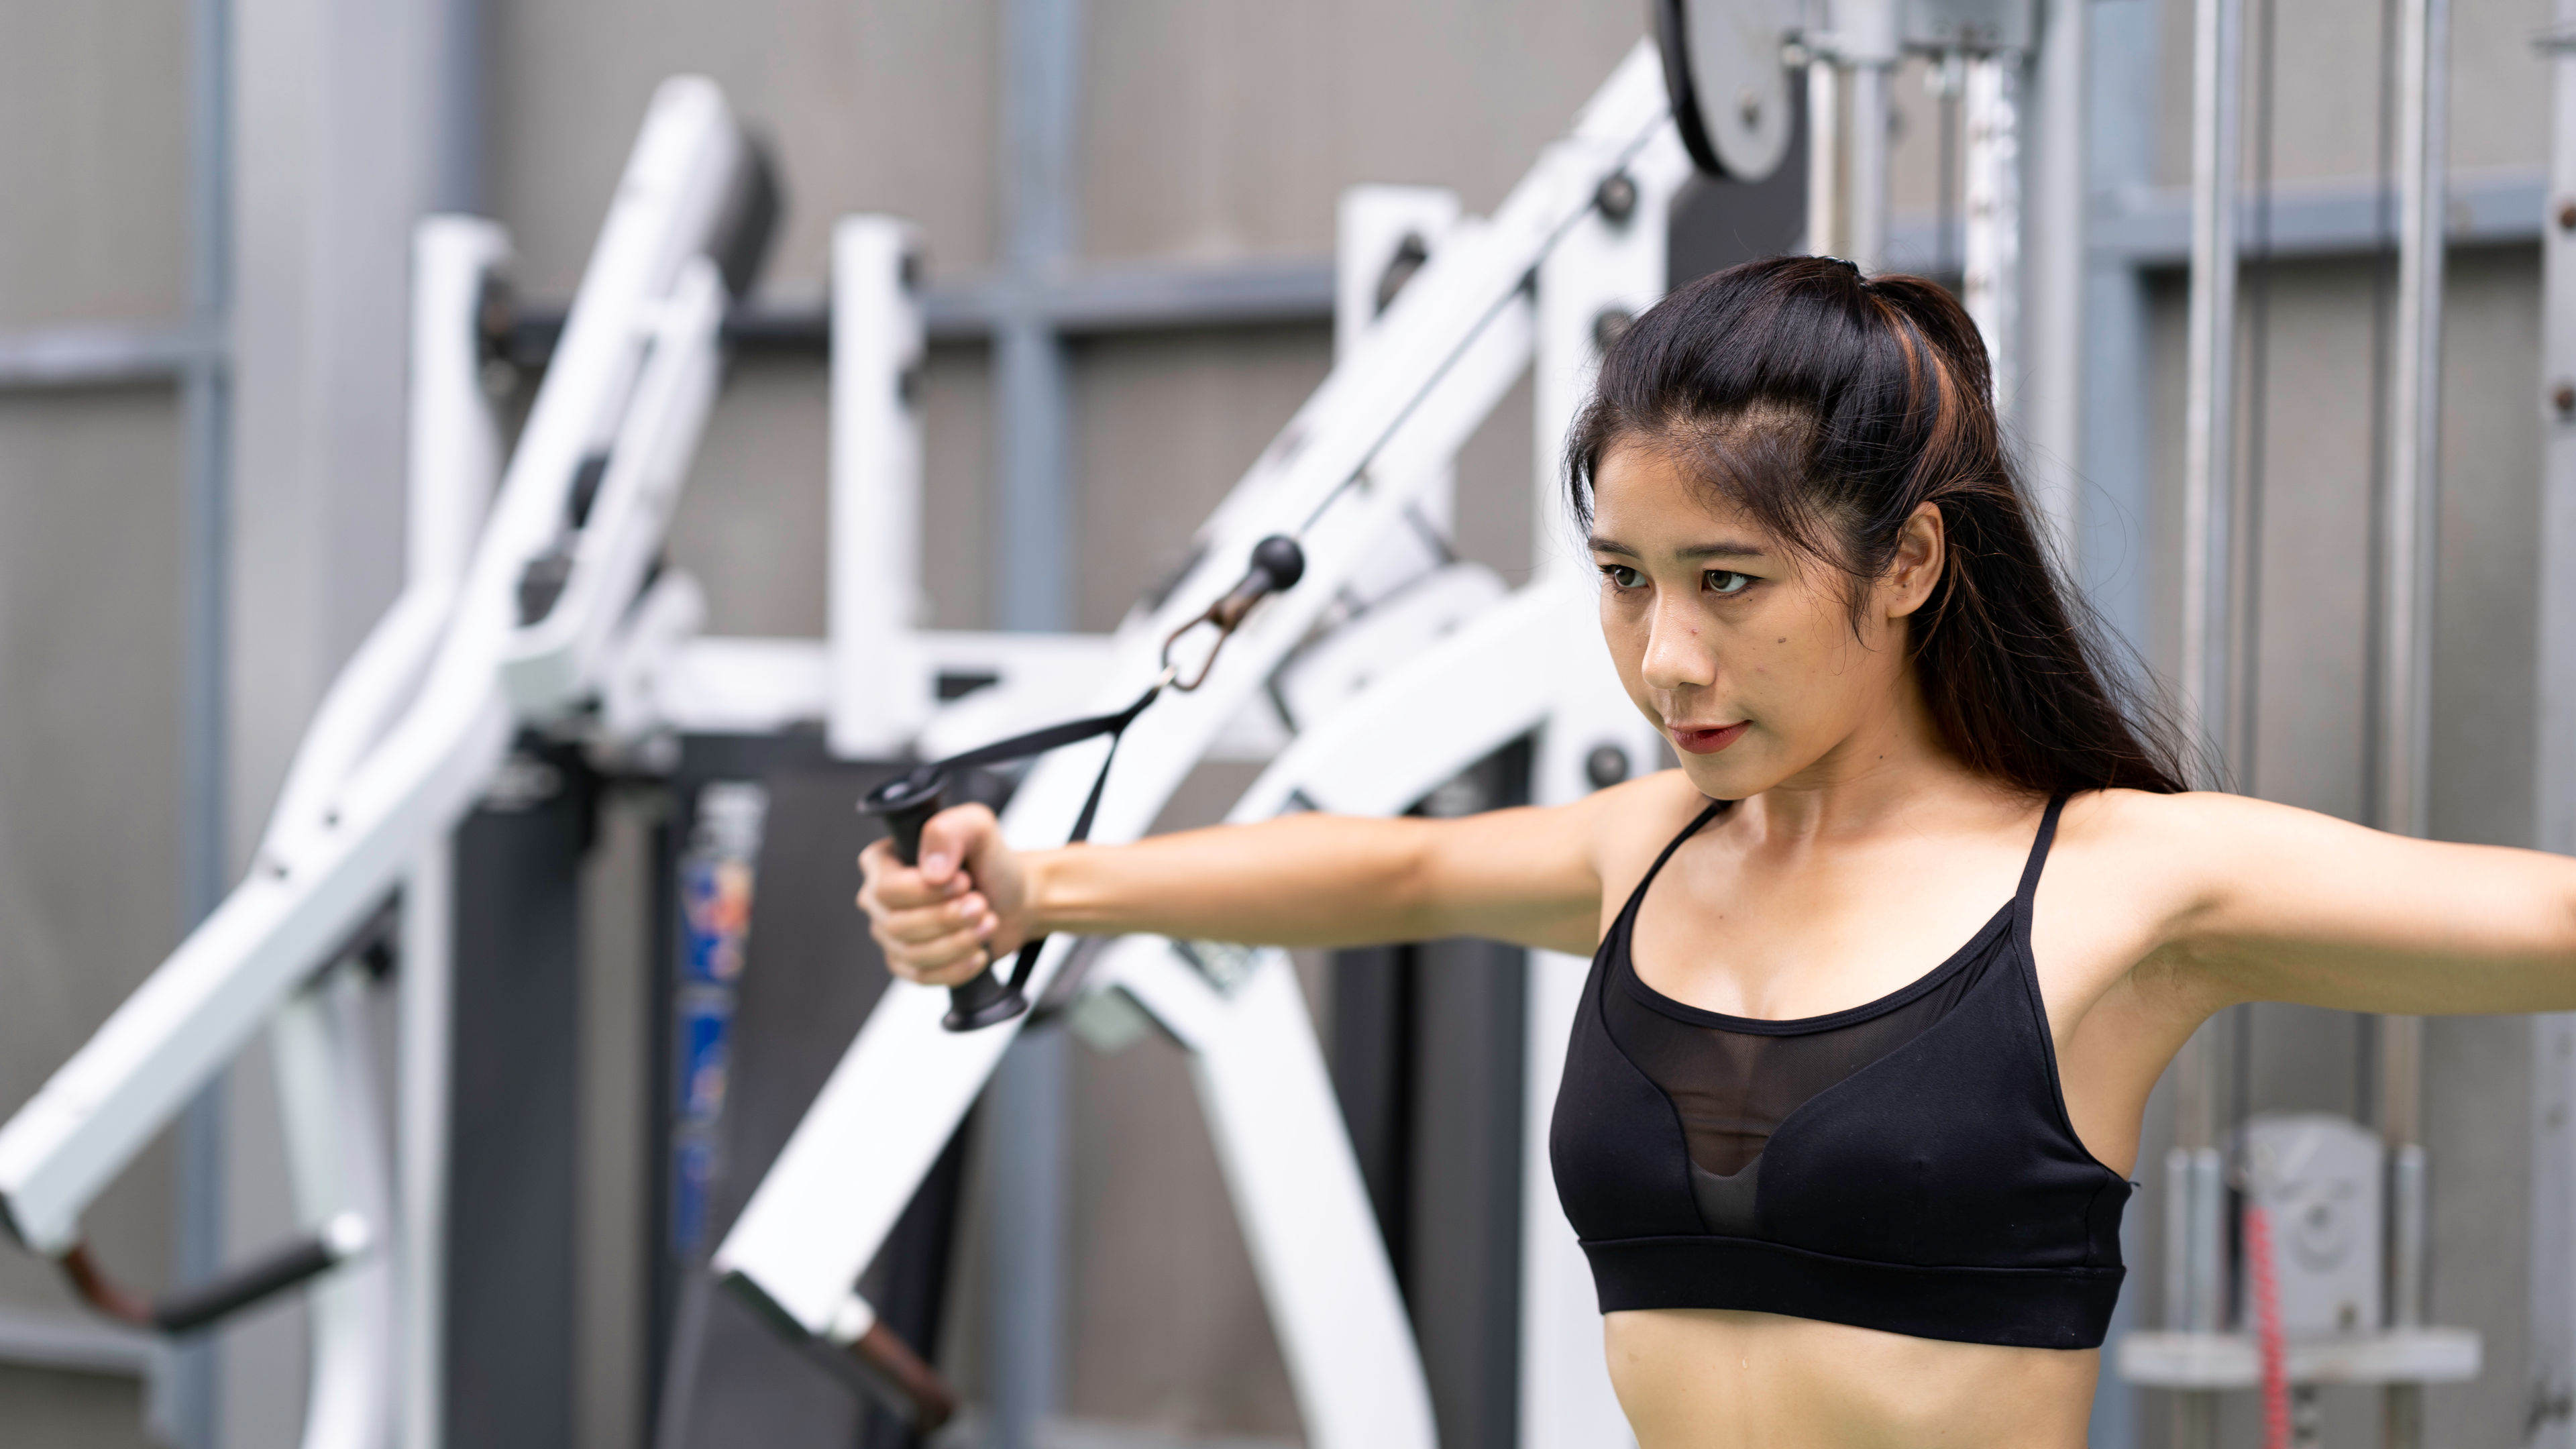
(1730, 775)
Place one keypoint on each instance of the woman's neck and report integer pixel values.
(1893, 765)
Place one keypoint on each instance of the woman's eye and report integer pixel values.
(1620, 576)
(1727, 581)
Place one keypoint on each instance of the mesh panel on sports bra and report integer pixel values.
(1734, 1080)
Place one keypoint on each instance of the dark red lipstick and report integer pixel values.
(1709, 741)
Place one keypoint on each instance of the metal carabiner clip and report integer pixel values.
(1277, 564)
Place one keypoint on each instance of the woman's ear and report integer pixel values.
(1922, 547)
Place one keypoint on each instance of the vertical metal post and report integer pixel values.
(458, 184)
(2209, 447)
(880, 692)
(2410, 531)
(2120, 151)
(2551, 1388)
(2414, 421)
(1825, 171)
(453, 463)
(1041, 109)
(2118, 61)
(2209, 428)
(1865, 41)
(2046, 397)
(426, 987)
(1033, 589)
(1866, 210)
(205, 415)
(1991, 253)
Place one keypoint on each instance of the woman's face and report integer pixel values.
(1742, 650)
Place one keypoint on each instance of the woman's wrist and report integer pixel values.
(1041, 882)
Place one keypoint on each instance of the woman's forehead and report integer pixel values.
(1646, 491)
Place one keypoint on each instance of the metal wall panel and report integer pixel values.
(90, 528)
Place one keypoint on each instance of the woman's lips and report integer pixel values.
(1709, 741)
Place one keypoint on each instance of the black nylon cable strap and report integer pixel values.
(1038, 742)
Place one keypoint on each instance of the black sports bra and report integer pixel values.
(1907, 1165)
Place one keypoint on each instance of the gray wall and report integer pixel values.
(90, 526)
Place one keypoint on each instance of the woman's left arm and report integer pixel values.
(2276, 903)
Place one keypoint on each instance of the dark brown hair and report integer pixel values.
(1829, 407)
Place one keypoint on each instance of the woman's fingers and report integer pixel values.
(967, 961)
(947, 959)
(921, 924)
(954, 836)
(889, 884)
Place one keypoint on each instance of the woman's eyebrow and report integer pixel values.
(1722, 548)
(1719, 548)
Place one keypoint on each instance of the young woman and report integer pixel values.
(1843, 1180)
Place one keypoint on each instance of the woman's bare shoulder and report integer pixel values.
(2163, 822)
(2181, 849)
(1630, 822)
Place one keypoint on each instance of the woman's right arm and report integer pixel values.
(1528, 876)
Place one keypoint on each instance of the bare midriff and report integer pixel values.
(1718, 1379)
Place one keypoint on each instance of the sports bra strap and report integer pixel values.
(2039, 850)
(1715, 808)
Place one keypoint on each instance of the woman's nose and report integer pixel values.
(1676, 656)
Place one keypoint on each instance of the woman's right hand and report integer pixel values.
(962, 907)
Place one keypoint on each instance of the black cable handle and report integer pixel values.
(909, 800)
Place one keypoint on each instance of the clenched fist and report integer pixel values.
(964, 905)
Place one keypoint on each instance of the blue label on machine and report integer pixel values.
(705, 1030)
(715, 911)
(715, 889)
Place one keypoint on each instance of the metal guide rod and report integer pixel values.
(2552, 1263)
(1824, 159)
(2409, 534)
(1991, 254)
(1866, 211)
(1034, 582)
(425, 984)
(2209, 409)
(205, 410)
(1865, 42)
(2045, 404)
(2414, 422)
(2218, 39)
